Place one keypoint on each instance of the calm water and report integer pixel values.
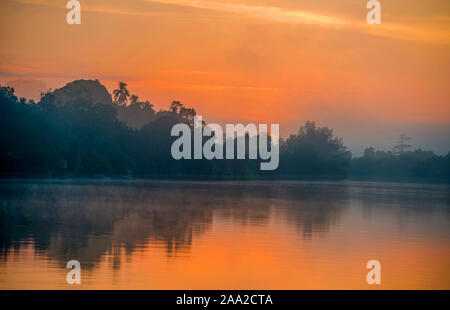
(223, 235)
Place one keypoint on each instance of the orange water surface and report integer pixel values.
(224, 235)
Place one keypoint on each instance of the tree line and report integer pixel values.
(81, 130)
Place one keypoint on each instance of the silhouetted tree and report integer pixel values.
(408, 164)
(133, 99)
(121, 94)
(77, 131)
(314, 151)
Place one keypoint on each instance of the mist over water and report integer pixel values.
(223, 235)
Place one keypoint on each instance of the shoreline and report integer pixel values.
(215, 179)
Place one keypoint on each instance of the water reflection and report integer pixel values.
(92, 220)
(88, 220)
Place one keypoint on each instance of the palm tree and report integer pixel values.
(121, 95)
(146, 105)
(134, 100)
(175, 106)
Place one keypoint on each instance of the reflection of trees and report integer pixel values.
(312, 208)
(87, 221)
(403, 201)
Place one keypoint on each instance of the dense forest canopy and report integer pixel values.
(83, 130)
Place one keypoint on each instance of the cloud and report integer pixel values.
(171, 85)
(434, 29)
(271, 13)
(438, 33)
(426, 30)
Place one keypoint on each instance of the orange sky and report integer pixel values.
(281, 61)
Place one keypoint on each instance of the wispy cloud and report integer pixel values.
(434, 29)
(271, 13)
(427, 30)
(29, 71)
(163, 84)
(411, 32)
